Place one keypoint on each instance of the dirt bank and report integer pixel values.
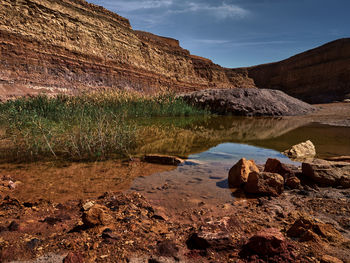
(131, 227)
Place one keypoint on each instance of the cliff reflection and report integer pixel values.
(203, 134)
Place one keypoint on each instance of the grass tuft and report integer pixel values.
(85, 127)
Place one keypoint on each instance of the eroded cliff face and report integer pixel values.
(67, 45)
(316, 76)
(70, 45)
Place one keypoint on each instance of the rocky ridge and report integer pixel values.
(319, 75)
(62, 46)
(248, 102)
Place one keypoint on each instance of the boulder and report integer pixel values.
(248, 102)
(326, 173)
(301, 151)
(275, 166)
(162, 159)
(264, 184)
(238, 174)
(204, 240)
(213, 235)
(293, 182)
(267, 242)
(96, 215)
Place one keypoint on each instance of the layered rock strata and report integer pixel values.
(68, 45)
(316, 76)
(62, 46)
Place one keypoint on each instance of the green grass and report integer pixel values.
(85, 127)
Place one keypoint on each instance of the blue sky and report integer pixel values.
(237, 33)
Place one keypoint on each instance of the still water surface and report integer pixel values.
(211, 146)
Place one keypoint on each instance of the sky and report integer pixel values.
(239, 33)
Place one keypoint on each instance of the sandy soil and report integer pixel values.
(332, 114)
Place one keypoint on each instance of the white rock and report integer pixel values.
(301, 151)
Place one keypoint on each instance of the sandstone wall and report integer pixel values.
(315, 76)
(67, 45)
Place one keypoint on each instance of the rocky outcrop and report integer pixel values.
(162, 159)
(316, 76)
(63, 46)
(238, 174)
(57, 46)
(248, 102)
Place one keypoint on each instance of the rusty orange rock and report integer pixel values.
(238, 174)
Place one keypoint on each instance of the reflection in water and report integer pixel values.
(212, 146)
(216, 144)
(72, 181)
(200, 135)
(190, 184)
(229, 153)
(279, 134)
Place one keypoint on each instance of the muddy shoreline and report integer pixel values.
(166, 222)
(132, 227)
(336, 114)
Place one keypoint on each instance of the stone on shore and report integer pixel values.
(293, 182)
(307, 229)
(302, 150)
(271, 184)
(267, 242)
(204, 240)
(238, 174)
(275, 166)
(96, 215)
(325, 173)
(162, 159)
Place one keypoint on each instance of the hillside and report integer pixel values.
(316, 76)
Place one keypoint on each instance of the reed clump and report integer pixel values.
(88, 126)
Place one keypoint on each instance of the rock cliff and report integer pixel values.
(315, 76)
(66, 45)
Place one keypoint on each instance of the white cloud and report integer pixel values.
(149, 13)
(260, 43)
(221, 11)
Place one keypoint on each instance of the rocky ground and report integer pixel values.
(307, 224)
